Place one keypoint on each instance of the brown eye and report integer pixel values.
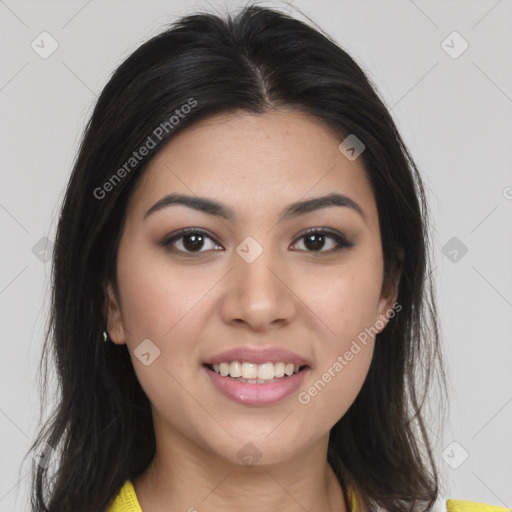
(315, 240)
(192, 240)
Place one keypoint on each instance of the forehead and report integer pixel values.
(262, 159)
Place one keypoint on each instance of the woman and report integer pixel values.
(242, 311)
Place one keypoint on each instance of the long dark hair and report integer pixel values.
(256, 60)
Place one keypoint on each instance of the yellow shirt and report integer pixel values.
(126, 501)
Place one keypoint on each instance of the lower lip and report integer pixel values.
(256, 394)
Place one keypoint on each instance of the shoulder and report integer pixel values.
(126, 500)
(472, 506)
(450, 505)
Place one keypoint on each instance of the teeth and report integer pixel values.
(288, 369)
(279, 369)
(249, 370)
(266, 371)
(224, 369)
(235, 369)
(255, 372)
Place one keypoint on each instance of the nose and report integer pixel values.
(259, 295)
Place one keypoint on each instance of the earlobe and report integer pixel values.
(389, 293)
(113, 317)
(386, 311)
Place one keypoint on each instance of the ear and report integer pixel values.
(389, 292)
(113, 315)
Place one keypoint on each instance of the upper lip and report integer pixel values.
(258, 356)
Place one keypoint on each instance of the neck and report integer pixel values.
(184, 476)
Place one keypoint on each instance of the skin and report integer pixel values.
(310, 300)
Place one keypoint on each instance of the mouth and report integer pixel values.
(253, 373)
(259, 376)
(254, 391)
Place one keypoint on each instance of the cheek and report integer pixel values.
(346, 300)
(343, 356)
(158, 299)
(161, 303)
(170, 306)
(332, 391)
(348, 308)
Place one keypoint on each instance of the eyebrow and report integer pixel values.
(211, 207)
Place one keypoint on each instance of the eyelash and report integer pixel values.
(342, 242)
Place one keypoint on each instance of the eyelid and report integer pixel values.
(340, 239)
(168, 240)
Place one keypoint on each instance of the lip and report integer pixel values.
(256, 394)
(258, 356)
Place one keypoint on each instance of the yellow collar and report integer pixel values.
(126, 501)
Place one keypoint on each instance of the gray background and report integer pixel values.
(455, 116)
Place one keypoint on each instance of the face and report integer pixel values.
(253, 279)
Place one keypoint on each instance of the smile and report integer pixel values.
(253, 372)
(256, 384)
